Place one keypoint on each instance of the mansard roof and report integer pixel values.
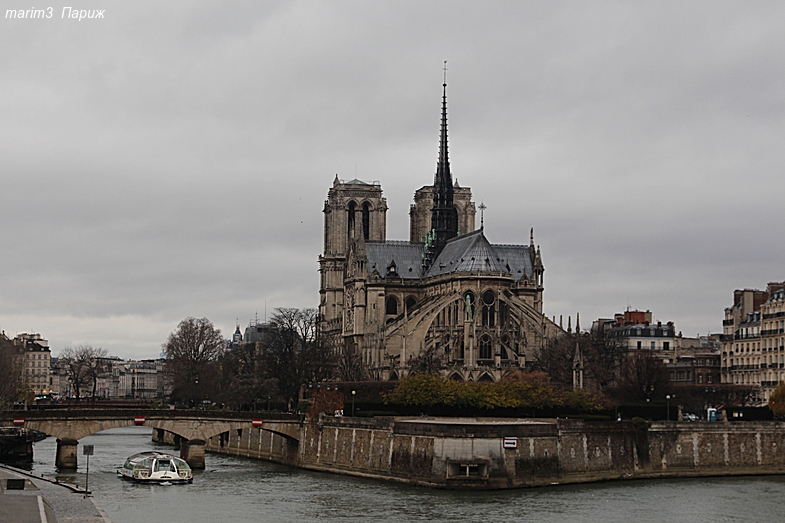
(474, 253)
(407, 257)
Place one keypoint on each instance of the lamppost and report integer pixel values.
(268, 403)
(354, 393)
(668, 399)
(196, 392)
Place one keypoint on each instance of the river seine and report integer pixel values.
(235, 489)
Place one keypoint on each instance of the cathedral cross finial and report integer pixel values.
(482, 208)
(445, 72)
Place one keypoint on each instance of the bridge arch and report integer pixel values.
(193, 431)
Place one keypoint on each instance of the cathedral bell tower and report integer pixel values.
(355, 210)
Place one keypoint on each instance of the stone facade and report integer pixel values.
(471, 308)
(753, 339)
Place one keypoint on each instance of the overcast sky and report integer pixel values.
(172, 159)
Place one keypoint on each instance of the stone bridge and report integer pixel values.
(191, 428)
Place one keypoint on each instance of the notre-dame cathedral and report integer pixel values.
(471, 308)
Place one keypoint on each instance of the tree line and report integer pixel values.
(253, 374)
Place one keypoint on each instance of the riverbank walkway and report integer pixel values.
(29, 498)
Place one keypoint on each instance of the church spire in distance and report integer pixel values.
(444, 216)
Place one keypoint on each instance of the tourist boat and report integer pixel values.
(156, 467)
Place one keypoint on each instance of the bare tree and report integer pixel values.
(97, 365)
(293, 356)
(556, 358)
(644, 377)
(351, 367)
(192, 353)
(243, 380)
(429, 361)
(604, 359)
(12, 378)
(80, 367)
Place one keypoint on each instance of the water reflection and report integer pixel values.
(234, 489)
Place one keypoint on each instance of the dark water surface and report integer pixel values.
(234, 489)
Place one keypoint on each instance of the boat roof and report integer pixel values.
(150, 454)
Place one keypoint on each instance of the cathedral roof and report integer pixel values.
(474, 253)
(407, 257)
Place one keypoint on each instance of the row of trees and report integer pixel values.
(251, 373)
(527, 390)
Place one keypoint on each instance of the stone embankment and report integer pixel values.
(505, 453)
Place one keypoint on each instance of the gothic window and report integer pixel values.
(488, 309)
(503, 311)
(392, 306)
(366, 220)
(410, 303)
(350, 220)
(485, 347)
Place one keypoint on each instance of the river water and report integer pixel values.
(234, 490)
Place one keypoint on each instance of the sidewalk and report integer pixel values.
(44, 501)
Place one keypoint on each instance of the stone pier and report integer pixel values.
(66, 454)
(192, 451)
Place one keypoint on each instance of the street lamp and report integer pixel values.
(196, 391)
(268, 403)
(354, 393)
(668, 398)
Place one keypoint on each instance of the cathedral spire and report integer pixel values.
(444, 216)
(443, 166)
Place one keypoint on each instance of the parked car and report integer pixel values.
(690, 417)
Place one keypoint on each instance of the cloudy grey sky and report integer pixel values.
(172, 159)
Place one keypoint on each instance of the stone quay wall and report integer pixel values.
(495, 454)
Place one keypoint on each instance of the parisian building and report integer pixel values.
(448, 292)
(37, 362)
(690, 361)
(753, 339)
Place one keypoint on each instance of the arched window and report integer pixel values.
(366, 220)
(350, 219)
(410, 303)
(485, 347)
(488, 309)
(391, 306)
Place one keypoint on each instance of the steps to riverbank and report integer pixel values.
(28, 498)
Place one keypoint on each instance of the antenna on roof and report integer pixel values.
(445, 72)
(482, 208)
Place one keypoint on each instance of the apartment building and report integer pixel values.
(753, 339)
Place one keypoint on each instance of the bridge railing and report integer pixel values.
(92, 413)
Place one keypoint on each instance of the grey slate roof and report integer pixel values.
(468, 253)
(474, 253)
(407, 257)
